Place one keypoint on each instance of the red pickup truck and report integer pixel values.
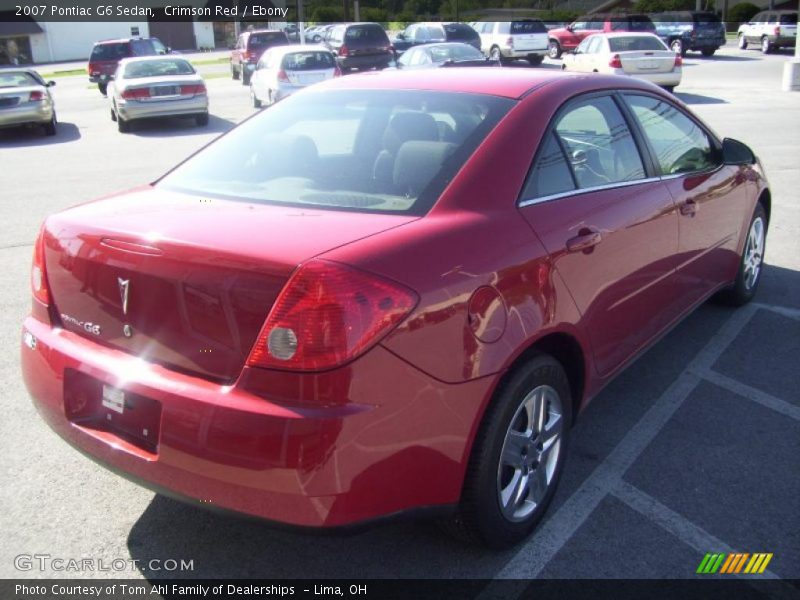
(566, 39)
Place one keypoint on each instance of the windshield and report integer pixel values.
(308, 61)
(17, 79)
(624, 44)
(455, 52)
(110, 51)
(158, 68)
(359, 150)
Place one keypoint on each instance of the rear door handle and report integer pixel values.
(584, 241)
(689, 208)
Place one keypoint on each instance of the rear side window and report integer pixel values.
(790, 19)
(267, 39)
(142, 48)
(366, 34)
(520, 27)
(111, 51)
(680, 145)
(590, 146)
(640, 23)
(308, 61)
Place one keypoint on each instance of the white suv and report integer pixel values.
(770, 29)
(507, 40)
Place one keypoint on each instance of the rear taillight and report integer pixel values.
(678, 60)
(615, 62)
(282, 76)
(193, 90)
(326, 315)
(136, 93)
(36, 97)
(344, 50)
(93, 69)
(38, 272)
(249, 57)
(510, 42)
(778, 30)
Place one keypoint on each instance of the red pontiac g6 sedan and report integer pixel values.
(388, 293)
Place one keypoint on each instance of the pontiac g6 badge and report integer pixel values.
(123, 293)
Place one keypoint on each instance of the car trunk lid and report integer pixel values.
(655, 61)
(181, 280)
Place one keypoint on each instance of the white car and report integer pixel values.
(157, 86)
(283, 70)
(504, 41)
(640, 55)
(770, 29)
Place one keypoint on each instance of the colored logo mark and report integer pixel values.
(734, 562)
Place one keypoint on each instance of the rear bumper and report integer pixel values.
(672, 78)
(132, 109)
(41, 112)
(378, 438)
(517, 53)
(783, 41)
(369, 61)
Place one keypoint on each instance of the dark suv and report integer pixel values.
(690, 30)
(360, 46)
(106, 55)
(249, 48)
(430, 33)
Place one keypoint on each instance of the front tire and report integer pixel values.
(554, 50)
(766, 45)
(103, 87)
(742, 42)
(517, 456)
(750, 265)
(246, 78)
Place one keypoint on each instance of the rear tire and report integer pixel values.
(535, 60)
(669, 88)
(103, 87)
(113, 115)
(51, 127)
(254, 98)
(201, 120)
(517, 456)
(554, 49)
(751, 262)
(245, 78)
(707, 52)
(742, 42)
(123, 126)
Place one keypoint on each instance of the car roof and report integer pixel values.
(507, 83)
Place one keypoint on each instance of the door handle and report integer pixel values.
(585, 241)
(689, 208)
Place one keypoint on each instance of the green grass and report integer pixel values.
(69, 73)
(211, 61)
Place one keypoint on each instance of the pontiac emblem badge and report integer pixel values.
(123, 293)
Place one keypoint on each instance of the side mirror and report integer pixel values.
(50, 83)
(735, 152)
(401, 36)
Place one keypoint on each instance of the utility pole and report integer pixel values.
(791, 69)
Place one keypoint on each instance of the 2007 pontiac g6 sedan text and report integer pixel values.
(388, 293)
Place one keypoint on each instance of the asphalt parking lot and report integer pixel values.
(694, 449)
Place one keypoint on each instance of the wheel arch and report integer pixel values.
(765, 199)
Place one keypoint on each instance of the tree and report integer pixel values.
(742, 13)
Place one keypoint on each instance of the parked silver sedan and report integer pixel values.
(25, 99)
(157, 86)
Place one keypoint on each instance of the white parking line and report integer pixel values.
(785, 311)
(692, 535)
(533, 556)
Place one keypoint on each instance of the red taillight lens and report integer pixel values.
(193, 90)
(38, 272)
(136, 93)
(778, 30)
(344, 51)
(36, 97)
(615, 62)
(326, 315)
(92, 68)
(678, 60)
(510, 42)
(282, 76)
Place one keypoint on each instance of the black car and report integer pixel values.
(360, 46)
(418, 34)
(448, 54)
(690, 30)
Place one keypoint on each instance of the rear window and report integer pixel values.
(519, 27)
(308, 61)
(706, 18)
(367, 34)
(111, 51)
(17, 79)
(790, 19)
(264, 40)
(624, 44)
(382, 151)
(459, 31)
(158, 68)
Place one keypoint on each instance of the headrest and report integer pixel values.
(405, 126)
(290, 154)
(418, 162)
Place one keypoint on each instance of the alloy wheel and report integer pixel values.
(753, 253)
(530, 453)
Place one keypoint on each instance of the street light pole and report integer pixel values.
(791, 69)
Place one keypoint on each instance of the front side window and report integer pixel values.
(680, 145)
(360, 150)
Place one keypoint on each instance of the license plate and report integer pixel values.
(5, 102)
(164, 90)
(648, 64)
(113, 399)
